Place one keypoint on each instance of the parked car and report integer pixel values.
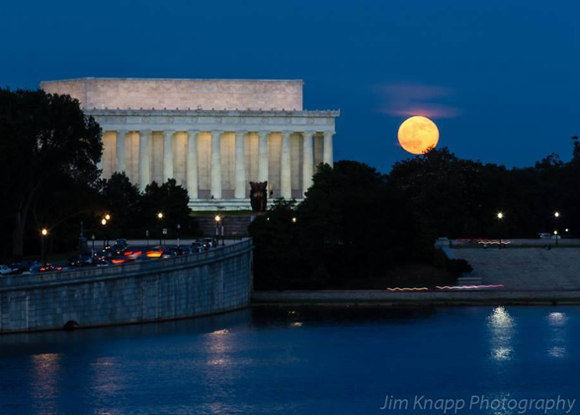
(213, 242)
(4, 270)
(20, 267)
(197, 247)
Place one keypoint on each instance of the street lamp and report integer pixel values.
(104, 223)
(160, 217)
(556, 216)
(43, 233)
(500, 218)
(93, 239)
(108, 217)
(178, 228)
(217, 228)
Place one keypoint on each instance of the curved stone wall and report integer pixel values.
(211, 282)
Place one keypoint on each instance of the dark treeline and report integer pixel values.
(357, 223)
(49, 153)
(461, 198)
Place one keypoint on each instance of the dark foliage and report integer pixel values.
(49, 152)
(353, 224)
(461, 198)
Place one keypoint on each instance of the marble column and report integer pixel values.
(327, 156)
(285, 167)
(144, 151)
(191, 175)
(263, 156)
(240, 189)
(168, 155)
(216, 165)
(120, 151)
(308, 162)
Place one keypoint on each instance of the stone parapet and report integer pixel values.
(215, 281)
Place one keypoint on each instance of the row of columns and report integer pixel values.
(240, 167)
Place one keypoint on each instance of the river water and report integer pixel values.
(299, 361)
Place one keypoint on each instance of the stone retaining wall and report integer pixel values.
(211, 282)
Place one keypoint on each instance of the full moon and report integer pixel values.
(418, 134)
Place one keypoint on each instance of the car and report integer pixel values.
(122, 244)
(168, 253)
(213, 242)
(184, 250)
(20, 267)
(132, 255)
(82, 260)
(38, 267)
(5, 270)
(197, 247)
(118, 260)
(155, 252)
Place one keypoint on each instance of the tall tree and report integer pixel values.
(45, 139)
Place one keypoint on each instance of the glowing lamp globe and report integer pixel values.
(418, 134)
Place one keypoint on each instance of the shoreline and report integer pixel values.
(379, 298)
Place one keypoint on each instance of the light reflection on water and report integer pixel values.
(294, 361)
(502, 327)
(557, 339)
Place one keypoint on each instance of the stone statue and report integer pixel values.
(259, 196)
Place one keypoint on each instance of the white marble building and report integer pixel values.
(212, 136)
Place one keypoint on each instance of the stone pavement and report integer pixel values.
(525, 268)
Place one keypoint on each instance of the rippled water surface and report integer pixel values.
(297, 361)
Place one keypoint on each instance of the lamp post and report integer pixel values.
(104, 223)
(43, 233)
(160, 217)
(500, 218)
(93, 239)
(223, 236)
(217, 228)
(178, 228)
(556, 216)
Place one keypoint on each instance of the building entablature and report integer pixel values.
(209, 120)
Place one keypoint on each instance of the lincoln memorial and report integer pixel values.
(212, 136)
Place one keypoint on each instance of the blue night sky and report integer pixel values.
(500, 78)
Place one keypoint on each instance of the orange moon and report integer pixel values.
(418, 134)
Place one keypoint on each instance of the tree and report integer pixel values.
(122, 200)
(352, 225)
(279, 258)
(46, 143)
(447, 191)
(169, 199)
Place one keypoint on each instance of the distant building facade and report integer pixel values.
(212, 136)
